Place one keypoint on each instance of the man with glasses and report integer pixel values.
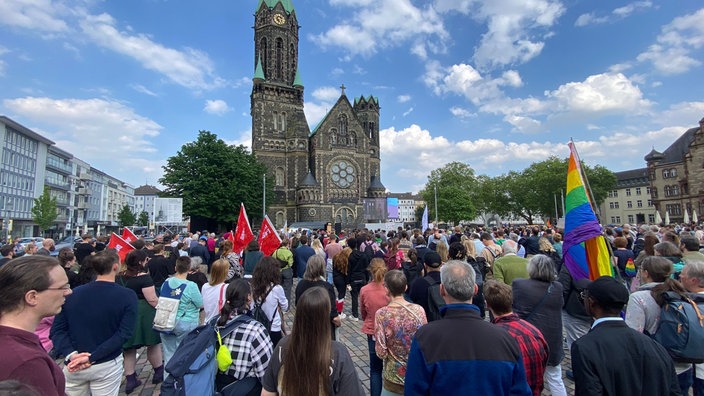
(96, 320)
(31, 288)
(613, 359)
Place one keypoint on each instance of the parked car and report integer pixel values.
(68, 241)
(24, 241)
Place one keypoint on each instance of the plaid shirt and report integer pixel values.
(251, 348)
(534, 348)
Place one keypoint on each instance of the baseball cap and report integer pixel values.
(432, 259)
(608, 291)
(203, 238)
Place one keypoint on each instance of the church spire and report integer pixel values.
(259, 72)
(287, 4)
(297, 81)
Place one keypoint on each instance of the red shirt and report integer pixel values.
(534, 348)
(371, 298)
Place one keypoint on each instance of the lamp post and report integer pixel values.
(436, 204)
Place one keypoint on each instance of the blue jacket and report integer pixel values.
(462, 354)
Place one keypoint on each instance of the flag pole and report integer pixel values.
(264, 197)
(592, 202)
(436, 204)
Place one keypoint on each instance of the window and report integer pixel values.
(279, 71)
(615, 193)
(282, 121)
(673, 172)
(618, 219)
(650, 203)
(279, 177)
(651, 218)
(613, 219)
(611, 205)
(630, 219)
(654, 192)
(639, 203)
(637, 190)
(611, 194)
(628, 192)
(629, 204)
(616, 205)
(665, 173)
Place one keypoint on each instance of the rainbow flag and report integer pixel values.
(584, 248)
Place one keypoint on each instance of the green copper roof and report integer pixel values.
(259, 72)
(297, 81)
(288, 5)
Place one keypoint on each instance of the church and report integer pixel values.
(323, 175)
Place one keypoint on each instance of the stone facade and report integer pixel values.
(630, 201)
(323, 175)
(676, 175)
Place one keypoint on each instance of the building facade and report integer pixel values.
(323, 175)
(144, 197)
(630, 201)
(57, 178)
(676, 176)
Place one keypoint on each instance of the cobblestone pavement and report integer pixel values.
(350, 334)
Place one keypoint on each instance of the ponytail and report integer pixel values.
(237, 300)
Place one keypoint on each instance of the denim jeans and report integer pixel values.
(170, 342)
(354, 296)
(686, 380)
(376, 366)
(287, 284)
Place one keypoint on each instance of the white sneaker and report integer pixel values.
(354, 318)
(343, 316)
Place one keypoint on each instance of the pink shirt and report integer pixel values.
(372, 297)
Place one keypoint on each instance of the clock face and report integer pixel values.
(279, 19)
(342, 174)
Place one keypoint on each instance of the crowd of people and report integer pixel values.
(467, 311)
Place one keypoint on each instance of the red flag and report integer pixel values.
(243, 232)
(123, 247)
(128, 235)
(268, 238)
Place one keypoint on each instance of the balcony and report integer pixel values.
(83, 205)
(58, 166)
(84, 175)
(61, 185)
(84, 191)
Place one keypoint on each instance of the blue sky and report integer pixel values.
(497, 84)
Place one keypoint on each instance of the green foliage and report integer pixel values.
(419, 214)
(456, 186)
(143, 219)
(44, 211)
(213, 178)
(125, 217)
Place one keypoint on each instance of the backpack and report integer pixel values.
(193, 367)
(435, 300)
(630, 268)
(259, 315)
(391, 260)
(412, 272)
(681, 328)
(368, 250)
(167, 307)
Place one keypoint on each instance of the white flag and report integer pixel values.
(424, 221)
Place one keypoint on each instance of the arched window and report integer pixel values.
(279, 59)
(279, 219)
(276, 120)
(342, 119)
(333, 136)
(371, 130)
(292, 56)
(264, 55)
(279, 177)
(282, 121)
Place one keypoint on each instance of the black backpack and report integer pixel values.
(412, 272)
(260, 316)
(368, 250)
(435, 300)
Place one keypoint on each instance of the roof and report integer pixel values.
(309, 181)
(297, 81)
(259, 71)
(287, 4)
(146, 190)
(678, 149)
(633, 177)
(23, 129)
(652, 155)
(375, 184)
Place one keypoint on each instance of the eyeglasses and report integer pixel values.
(62, 288)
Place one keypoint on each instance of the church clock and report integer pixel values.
(279, 19)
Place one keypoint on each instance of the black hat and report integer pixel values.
(432, 259)
(607, 291)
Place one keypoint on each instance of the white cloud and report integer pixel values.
(190, 68)
(328, 94)
(590, 19)
(465, 80)
(672, 52)
(216, 107)
(632, 7)
(601, 93)
(617, 14)
(142, 89)
(380, 24)
(44, 16)
(104, 132)
(403, 98)
(461, 113)
(407, 112)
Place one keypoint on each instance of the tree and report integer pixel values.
(44, 211)
(419, 214)
(213, 178)
(456, 188)
(126, 217)
(143, 219)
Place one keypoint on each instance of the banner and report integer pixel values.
(243, 232)
(268, 238)
(120, 245)
(128, 235)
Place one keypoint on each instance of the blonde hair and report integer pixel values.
(378, 269)
(442, 249)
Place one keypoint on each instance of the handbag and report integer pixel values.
(223, 356)
(167, 308)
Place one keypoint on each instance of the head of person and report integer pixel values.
(510, 246)
(351, 242)
(315, 268)
(671, 236)
(457, 251)
(689, 243)
(158, 248)
(420, 240)
(87, 238)
(377, 269)
(395, 282)
(218, 271)
(620, 242)
(238, 297)
(541, 267)
(470, 250)
(692, 276)
(203, 240)
(66, 256)
(134, 262)
(253, 246)
(48, 244)
(544, 245)
(667, 249)
(105, 262)
(316, 244)
(30, 248)
(557, 237)
(196, 262)
(303, 240)
(37, 284)
(442, 249)
(266, 273)
(432, 261)
(486, 238)
(183, 265)
(138, 244)
(499, 297)
(655, 269)
(412, 255)
(226, 247)
(307, 373)
(457, 282)
(605, 297)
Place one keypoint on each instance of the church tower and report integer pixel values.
(279, 127)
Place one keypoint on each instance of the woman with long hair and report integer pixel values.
(214, 291)
(235, 270)
(372, 297)
(326, 366)
(650, 239)
(673, 253)
(251, 257)
(644, 305)
(249, 343)
(340, 279)
(135, 277)
(267, 291)
(395, 325)
(394, 255)
(315, 277)
(317, 246)
(443, 250)
(546, 248)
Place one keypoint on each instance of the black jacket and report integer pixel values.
(357, 266)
